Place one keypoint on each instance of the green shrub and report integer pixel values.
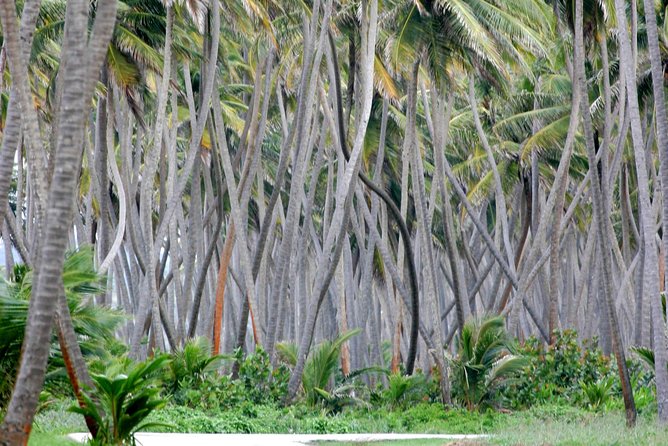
(191, 365)
(261, 383)
(598, 393)
(484, 362)
(557, 373)
(321, 364)
(192, 379)
(120, 404)
(403, 389)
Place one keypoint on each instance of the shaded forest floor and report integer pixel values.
(543, 425)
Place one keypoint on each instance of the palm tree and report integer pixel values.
(662, 143)
(484, 362)
(49, 267)
(599, 199)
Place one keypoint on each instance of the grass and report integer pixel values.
(608, 429)
(394, 443)
(49, 439)
(547, 425)
(57, 420)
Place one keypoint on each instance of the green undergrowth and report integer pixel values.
(559, 426)
(423, 418)
(544, 425)
(49, 439)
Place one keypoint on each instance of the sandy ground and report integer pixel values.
(155, 439)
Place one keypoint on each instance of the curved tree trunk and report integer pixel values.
(598, 199)
(345, 190)
(18, 421)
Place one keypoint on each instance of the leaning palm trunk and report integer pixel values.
(406, 248)
(22, 117)
(424, 229)
(441, 120)
(661, 355)
(602, 219)
(146, 194)
(313, 51)
(336, 233)
(17, 424)
(72, 356)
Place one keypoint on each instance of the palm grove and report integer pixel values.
(256, 172)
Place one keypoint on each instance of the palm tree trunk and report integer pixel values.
(336, 233)
(661, 355)
(21, 113)
(72, 356)
(424, 230)
(405, 249)
(72, 111)
(598, 199)
(442, 124)
(220, 288)
(146, 193)
(313, 52)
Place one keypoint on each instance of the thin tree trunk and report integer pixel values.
(598, 199)
(346, 187)
(658, 83)
(17, 424)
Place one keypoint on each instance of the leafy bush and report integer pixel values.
(597, 393)
(192, 379)
(260, 382)
(484, 362)
(320, 365)
(402, 389)
(558, 373)
(192, 364)
(125, 401)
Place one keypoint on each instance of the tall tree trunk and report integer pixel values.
(660, 352)
(149, 295)
(21, 119)
(17, 424)
(336, 233)
(598, 199)
(424, 231)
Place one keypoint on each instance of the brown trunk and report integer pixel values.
(73, 358)
(220, 288)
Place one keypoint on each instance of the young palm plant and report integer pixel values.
(125, 401)
(320, 364)
(484, 362)
(193, 363)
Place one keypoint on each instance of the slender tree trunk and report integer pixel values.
(660, 352)
(598, 199)
(17, 424)
(346, 187)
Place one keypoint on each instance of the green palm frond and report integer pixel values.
(551, 136)
(484, 361)
(475, 34)
(139, 50)
(646, 354)
(320, 365)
